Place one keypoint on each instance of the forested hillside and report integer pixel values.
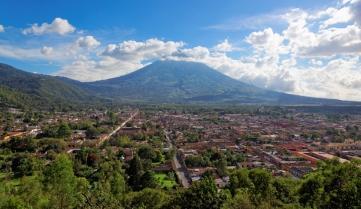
(23, 89)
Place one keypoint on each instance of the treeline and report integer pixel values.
(86, 180)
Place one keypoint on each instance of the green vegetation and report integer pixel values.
(215, 158)
(165, 180)
(91, 178)
(26, 90)
(38, 172)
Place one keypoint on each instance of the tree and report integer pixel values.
(61, 183)
(121, 141)
(108, 186)
(30, 191)
(92, 132)
(50, 131)
(239, 180)
(240, 201)
(261, 180)
(117, 184)
(202, 194)
(333, 185)
(112, 117)
(22, 144)
(146, 199)
(196, 161)
(57, 145)
(148, 180)
(135, 172)
(99, 197)
(311, 191)
(146, 152)
(284, 189)
(221, 166)
(64, 131)
(12, 203)
(22, 165)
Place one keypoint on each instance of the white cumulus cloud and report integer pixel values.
(87, 42)
(335, 41)
(138, 51)
(58, 26)
(266, 41)
(336, 16)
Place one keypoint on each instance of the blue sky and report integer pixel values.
(283, 45)
(170, 19)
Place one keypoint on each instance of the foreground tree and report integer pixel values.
(261, 189)
(146, 199)
(135, 172)
(333, 185)
(239, 180)
(202, 194)
(240, 201)
(63, 187)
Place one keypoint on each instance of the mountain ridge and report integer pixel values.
(160, 82)
(171, 80)
(194, 82)
(39, 90)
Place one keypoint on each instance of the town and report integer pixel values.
(180, 146)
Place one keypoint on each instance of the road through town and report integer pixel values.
(177, 166)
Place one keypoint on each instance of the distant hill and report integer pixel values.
(191, 82)
(20, 88)
(160, 82)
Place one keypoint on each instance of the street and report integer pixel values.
(177, 167)
(107, 137)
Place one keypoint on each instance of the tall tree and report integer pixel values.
(261, 180)
(148, 180)
(61, 184)
(135, 173)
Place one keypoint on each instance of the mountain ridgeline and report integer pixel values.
(160, 82)
(19, 89)
(191, 82)
(171, 81)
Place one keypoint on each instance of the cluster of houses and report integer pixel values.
(289, 145)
